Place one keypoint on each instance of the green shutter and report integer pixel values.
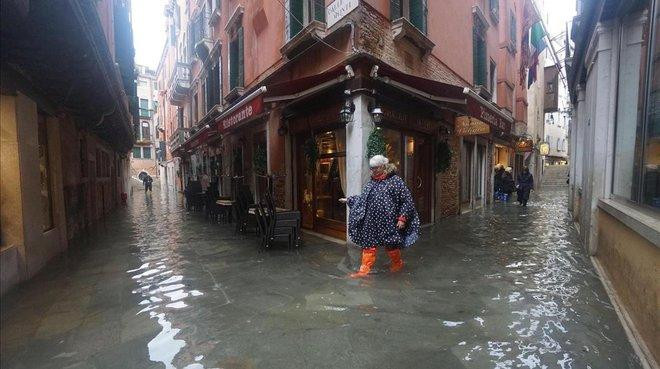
(478, 59)
(395, 9)
(233, 64)
(319, 10)
(418, 12)
(512, 28)
(296, 17)
(241, 69)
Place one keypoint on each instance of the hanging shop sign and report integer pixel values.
(544, 148)
(525, 145)
(488, 115)
(468, 126)
(242, 114)
(338, 9)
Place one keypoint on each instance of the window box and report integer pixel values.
(403, 29)
(311, 33)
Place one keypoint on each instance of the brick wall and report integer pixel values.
(447, 183)
(376, 38)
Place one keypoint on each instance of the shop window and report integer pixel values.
(237, 155)
(236, 67)
(637, 141)
(137, 152)
(416, 11)
(301, 13)
(44, 170)
(479, 57)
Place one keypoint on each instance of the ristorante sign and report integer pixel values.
(245, 112)
(487, 115)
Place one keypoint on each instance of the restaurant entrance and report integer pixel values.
(321, 177)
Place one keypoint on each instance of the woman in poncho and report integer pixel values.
(383, 215)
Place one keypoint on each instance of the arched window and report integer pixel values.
(558, 147)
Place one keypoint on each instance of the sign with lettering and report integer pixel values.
(242, 114)
(488, 115)
(402, 118)
(338, 10)
(468, 126)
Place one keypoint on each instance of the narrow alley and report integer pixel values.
(157, 287)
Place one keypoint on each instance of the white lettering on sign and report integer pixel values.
(490, 118)
(338, 10)
(240, 115)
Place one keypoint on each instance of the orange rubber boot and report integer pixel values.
(368, 261)
(396, 261)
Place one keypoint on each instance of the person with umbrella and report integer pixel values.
(383, 216)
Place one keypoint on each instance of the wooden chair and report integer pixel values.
(274, 230)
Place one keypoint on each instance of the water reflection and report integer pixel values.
(160, 281)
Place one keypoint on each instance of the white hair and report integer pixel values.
(378, 161)
(508, 169)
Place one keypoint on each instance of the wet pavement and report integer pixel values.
(156, 287)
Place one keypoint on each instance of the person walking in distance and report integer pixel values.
(508, 185)
(383, 216)
(525, 185)
(147, 181)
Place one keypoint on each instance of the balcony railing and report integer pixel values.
(179, 85)
(178, 138)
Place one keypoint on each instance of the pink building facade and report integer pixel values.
(251, 92)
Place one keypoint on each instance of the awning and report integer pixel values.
(244, 111)
(301, 87)
(459, 98)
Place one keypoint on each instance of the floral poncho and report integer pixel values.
(375, 213)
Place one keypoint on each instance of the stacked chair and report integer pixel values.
(275, 226)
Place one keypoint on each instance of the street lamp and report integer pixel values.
(377, 113)
(346, 112)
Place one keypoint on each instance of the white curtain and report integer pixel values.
(340, 142)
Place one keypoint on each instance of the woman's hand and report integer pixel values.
(343, 200)
(400, 224)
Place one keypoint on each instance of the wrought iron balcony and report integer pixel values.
(178, 138)
(179, 85)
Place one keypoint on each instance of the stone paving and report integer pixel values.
(157, 287)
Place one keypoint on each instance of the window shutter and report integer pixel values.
(296, 17)
(395, 9)
(478, 59)
(241, 76)
(418, 12)
(319, 10)
(512, 29)
(233, 64)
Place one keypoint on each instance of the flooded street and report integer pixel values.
(157, 287)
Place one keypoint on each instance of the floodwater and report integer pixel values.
(157, 287)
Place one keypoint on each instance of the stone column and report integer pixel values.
(357, 164)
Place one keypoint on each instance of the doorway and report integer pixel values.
(322, 181)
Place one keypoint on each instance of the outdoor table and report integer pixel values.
(226, 206)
